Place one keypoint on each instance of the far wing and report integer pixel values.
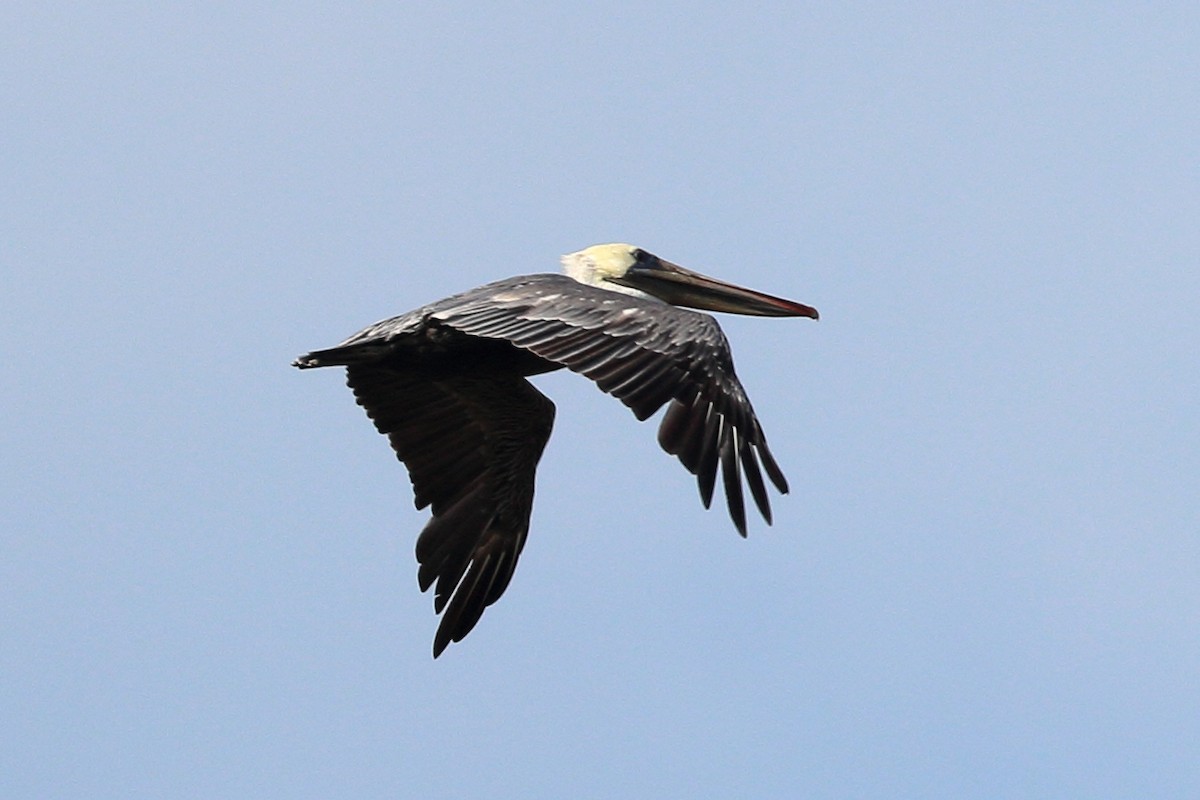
(471, 443)
(646, 354)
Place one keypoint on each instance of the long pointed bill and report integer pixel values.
(682, 287)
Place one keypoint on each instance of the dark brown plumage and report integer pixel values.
(447, 385)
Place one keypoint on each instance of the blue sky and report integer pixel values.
(983, 583)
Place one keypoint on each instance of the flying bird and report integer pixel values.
(447, 385)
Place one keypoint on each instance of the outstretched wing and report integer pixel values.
(645, 353)
(471, 443)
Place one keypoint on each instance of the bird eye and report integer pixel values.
(641, 256)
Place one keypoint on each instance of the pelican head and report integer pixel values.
(631, 270)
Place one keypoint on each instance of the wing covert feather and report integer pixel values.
(646, 354)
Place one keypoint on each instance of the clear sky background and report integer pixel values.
(983, 584)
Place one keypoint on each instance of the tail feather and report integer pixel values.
(343, 355)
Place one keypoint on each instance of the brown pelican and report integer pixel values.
(447, 385)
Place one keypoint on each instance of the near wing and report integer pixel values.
(645, 353)
(471, 443)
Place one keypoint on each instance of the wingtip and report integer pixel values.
(441, 641)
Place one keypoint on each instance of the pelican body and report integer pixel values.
(447, 385)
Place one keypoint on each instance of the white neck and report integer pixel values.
(582, 267)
